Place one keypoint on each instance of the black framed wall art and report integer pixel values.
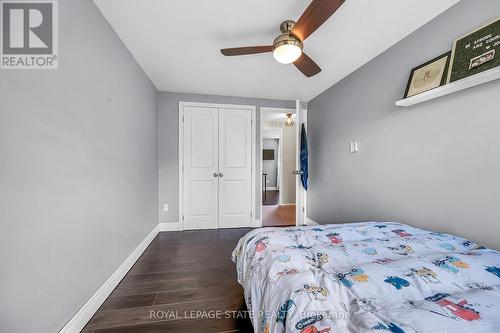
(428, 76)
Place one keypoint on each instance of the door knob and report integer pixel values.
(215, 174)
(221, 174)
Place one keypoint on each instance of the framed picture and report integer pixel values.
(428, 76)
(476, 52)
(268, 154)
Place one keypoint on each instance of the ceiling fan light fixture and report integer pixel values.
(287, 49)
(286, 54)
(289, 120)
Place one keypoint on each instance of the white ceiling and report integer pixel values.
(177, 42)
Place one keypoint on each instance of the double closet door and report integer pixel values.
(217, 167)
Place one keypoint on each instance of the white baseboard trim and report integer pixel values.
(287, 204)
(272, 188)
(82, 317)
(308, 221)
(172, 226)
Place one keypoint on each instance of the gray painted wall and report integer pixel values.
(169, 142)
(78, 172)
(435, 165)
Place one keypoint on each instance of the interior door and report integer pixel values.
(201, 167)
(235, 168)
(300, 192)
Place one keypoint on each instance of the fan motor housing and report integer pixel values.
(286, 38)
(287, 26)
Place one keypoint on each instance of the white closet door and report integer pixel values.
(235, 167)
(201, 169)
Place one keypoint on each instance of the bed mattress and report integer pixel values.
(367, 277)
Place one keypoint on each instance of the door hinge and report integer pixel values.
(251, 214)
(182, 118)
(303, 209)
(183, 217)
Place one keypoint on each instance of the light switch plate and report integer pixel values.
(354, 147)
(165, 208)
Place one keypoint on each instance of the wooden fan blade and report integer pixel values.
(314, 16)
(236, 51)
(307, 66)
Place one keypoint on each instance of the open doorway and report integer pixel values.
(271, 173)
(279, 180)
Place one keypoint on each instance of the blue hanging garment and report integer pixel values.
(304, 172)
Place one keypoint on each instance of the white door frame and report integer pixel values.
(301, 193)
(250, 108)
(264, 110)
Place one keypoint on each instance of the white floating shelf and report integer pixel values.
(450, 88)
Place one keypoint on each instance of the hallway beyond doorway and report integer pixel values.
(270, 198)
(278, 216)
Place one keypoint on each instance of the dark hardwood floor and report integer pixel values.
(181, 278)
(278, 216)
(270, 197)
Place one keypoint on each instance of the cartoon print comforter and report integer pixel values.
(367, 277)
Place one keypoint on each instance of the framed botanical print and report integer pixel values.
(428, 76)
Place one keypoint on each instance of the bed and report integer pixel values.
(367, 277)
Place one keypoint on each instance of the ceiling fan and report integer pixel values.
(288, 47)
